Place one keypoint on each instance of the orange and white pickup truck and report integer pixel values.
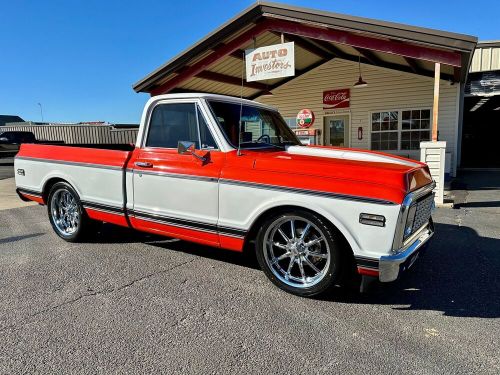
(229, 173)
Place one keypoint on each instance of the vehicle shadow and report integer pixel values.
(115, 234)
(19, 238)
(458, 275)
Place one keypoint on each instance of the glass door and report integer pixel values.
(337, 130)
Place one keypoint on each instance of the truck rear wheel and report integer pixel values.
(67, 215)
(299, 252)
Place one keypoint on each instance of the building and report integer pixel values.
(4, 119)
(481, 116)
(393, 113)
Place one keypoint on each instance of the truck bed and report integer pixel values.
(104, 146)
(96, 171)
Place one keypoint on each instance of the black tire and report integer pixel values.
(331, 246)
(86, 227)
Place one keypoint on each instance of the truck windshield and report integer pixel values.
(260, 127)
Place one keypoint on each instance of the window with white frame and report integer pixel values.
(385, 130)
(415, 128)
(399, 130)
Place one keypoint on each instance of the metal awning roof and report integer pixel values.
(214, 63)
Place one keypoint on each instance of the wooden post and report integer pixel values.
(435, 108)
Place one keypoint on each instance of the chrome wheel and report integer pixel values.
(65, 212)
(296, 251)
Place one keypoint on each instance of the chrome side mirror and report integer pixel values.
(188, 147)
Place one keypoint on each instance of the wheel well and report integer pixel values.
(48, 186)
(349, 272)
(252, 233)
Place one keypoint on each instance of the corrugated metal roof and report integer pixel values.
(486, 57)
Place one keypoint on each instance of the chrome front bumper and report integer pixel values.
(390, 266)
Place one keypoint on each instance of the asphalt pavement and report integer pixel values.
(6, 167)
(133, 303)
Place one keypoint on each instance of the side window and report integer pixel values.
(207, 141)
(171, 123)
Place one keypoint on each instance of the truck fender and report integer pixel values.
(276, 204)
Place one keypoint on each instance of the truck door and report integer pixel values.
(177, 194)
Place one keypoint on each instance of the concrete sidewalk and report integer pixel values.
(8, 196)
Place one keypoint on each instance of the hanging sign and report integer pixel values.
(334, 99)
(270, 62)
(305, 118)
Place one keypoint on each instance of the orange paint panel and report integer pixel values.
(110, 158)
(372, 180)
(367, 272)
(118, 219)
(192, 235)
(231, 243)
(33, 198)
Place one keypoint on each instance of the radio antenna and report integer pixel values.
(241, 105)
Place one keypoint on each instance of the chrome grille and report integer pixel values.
(423, 212)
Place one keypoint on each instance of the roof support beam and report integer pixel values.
(212, 58)
(369, 55)
(352, 58)
(435, 107)
(308, 46)
(298, 73)
(412, 63)
(337, 52)
(238, 54)
(318, 33)
(231, 80)
(362, 41)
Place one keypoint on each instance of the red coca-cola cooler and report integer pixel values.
(308, 136)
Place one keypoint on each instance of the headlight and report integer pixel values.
(410, 220)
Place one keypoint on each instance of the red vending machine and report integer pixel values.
(308, 136)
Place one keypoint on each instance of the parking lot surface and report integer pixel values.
(6, 167)
(132, 303)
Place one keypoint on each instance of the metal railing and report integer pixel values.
(77, 134)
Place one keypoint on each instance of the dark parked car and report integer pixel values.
(10, 141)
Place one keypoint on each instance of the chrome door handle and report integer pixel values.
(143, 164)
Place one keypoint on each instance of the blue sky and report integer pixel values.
(80, 58)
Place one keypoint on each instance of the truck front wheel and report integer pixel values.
(67, 215)
(299, 252)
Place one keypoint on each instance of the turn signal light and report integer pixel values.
(371, 219)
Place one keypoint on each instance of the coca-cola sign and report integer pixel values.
(334, 99)
(305, 118)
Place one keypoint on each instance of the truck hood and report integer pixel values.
(332, 164)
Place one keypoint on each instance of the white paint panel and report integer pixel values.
(97, 185)
(241, 205)
(347, 155)
(176, 197)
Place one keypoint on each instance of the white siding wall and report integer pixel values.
(387, 90)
